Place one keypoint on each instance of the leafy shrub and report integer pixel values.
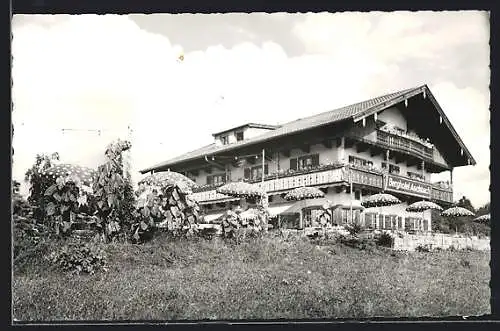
(27, 234)
(62, 204)
(385, 240)
(423, 248)
(169, 205)
(230, 223)
(77, 257)
(354, 229)
(358, 243)
(39, 183)
(19, 205)
(207, 233)
(112, 192)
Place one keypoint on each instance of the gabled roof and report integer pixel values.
(353, 112)
(248, 125)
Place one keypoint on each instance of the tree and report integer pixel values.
(483, 210)
(464, 202)
(463, 224)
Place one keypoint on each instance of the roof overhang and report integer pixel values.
(248, 125)
(425, 91)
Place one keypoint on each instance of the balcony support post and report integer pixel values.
(342, 150)
(451, 176)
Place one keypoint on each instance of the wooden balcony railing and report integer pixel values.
(312, 178)
(398, 142)
(358, 175)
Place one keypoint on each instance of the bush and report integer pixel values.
(113, 198)
(207, 233)
(354, 229)
(362, 244)
(62, 205)
(385, 240)
(29, 238)
(423, 248)
(77, 257)
(39, 183)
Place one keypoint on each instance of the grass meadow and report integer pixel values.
(260, 278)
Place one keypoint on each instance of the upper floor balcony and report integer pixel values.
(337, 174)
(405, 142)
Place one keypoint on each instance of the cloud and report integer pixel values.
(105, 72)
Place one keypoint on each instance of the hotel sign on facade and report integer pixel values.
(411, 187)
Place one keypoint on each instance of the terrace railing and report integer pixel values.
(338, 173)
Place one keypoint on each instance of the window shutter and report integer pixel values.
(293, 164)
(315, 160)
(246, 173)
(266, 169)
(209, 180)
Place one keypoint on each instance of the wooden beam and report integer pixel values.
(327, 143)
(338, 142)
(251, 159)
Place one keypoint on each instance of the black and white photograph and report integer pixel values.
(250, 166)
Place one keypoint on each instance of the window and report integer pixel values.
(415, 175)
(357, 195)
(357, 161)
(239, 136)
(304, 162)
(216, 179)
(255, 172)
(224, 140)
(393, 169)
(384, 165)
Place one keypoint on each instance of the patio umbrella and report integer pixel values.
(483, 219)
(422, 206)
(241, 190)
(457, 212)
(168, 178)
(85, 174)
(454, 212)
(304, 192)
(380, 200)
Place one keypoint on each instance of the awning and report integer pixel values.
(211, 217)
(209, 202)
(278, 209)
(347, 206)
(307, 203)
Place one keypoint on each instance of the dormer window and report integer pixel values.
(224, 140)
(239, 136)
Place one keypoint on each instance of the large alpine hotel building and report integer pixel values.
(392, 143)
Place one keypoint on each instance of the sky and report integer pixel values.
(111, 72)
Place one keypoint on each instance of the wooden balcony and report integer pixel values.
(284, 183)
(331, 175)
(442, 194)
(403, 143)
